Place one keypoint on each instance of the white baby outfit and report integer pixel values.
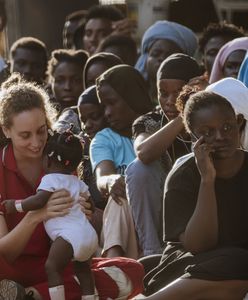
(73, 227)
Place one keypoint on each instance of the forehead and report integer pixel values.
(216, 42)
(106, 91)
(95, 70)
(171, 84)
(98, 24)
(88, 108)
(213, 116)
(236, 56)
(29, 120)
(65, 68)
(165, 45)
(28, 55)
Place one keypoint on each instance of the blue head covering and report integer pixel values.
(243, 71)
(166, 30)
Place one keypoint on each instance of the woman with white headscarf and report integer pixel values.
(237, 94)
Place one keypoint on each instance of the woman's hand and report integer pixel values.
(203, 154)
(58, 205)
(116, 187)
(87, 205)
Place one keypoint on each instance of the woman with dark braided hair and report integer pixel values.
(72, 235)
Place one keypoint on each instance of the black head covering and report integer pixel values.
(88, 96)
(130, 85)
(178, 66)
(105, 58)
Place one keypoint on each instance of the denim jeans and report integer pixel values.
(144, 185)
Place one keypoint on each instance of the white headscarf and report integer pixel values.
(237, 94)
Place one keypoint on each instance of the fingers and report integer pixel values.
(59, 194)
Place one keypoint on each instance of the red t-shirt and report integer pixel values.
(28, 269)
(14, 186)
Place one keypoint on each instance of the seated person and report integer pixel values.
(205, 210)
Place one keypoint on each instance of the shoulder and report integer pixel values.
(183, 170)
(148, 123)
(106, 136)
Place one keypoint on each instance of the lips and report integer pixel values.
(68, 99)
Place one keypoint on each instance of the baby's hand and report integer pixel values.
(9, 206)
(87, 205)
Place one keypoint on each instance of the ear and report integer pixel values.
(240, 121)
(6, 132)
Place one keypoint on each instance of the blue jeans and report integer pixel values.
(144, 185)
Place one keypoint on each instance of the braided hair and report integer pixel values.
(64, 149)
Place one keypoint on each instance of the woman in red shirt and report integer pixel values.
(25, 116)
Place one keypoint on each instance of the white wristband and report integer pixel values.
(18, 205)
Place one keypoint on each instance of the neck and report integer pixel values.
(127, 132)
(227, 168)
(21, 160)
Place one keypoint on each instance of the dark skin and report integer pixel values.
(216, 129)
(120, 118)
(233, 63)
(158, 52)
(211, 50)
(95, 70)
(92, 118)
(30, 64)
(151, 147)
(67, 83)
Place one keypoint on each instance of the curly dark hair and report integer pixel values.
(224, 29)
(78, 57)
(64, 149)
(104, 12)
(184, 95)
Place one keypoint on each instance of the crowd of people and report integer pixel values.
(123, 166)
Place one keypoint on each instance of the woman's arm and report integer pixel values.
(108, 182)
(151, 148)
(201, 232)
(12, 243)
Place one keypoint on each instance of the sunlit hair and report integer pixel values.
(17, 96)
(30, 43)
(202, 100)
(223, 29)
(184, 95)
(77, 57)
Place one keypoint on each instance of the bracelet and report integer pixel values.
(18, 205)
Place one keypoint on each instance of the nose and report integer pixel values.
(27, 70)
(107, 112)
(67, 85)
(218, 135)
(36, 142)
(171, 100)
(88, 125)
